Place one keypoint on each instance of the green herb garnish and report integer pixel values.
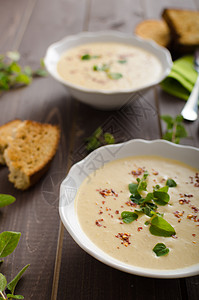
(12, 75)
(122, 61)
(142, 184)
(98, 138)
(114, 76)
(171, 183)
(160, 227)
(88, 56)
(104, 68)
(160, 249)
(175, 128)
(161, 196)
(128, 216)
(148, 205)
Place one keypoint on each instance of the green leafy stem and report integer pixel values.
(99, 138)
(175, 129)
(8, 242)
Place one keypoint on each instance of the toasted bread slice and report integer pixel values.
(184, 28)
(30, 151)
(6, 132)
(156, 30)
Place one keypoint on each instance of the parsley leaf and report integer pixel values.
(171, 183)
(160, 249)
(128, 216)
(114, 76)
(88, 56)
(160, 227)
(161, 195)
(6, 200)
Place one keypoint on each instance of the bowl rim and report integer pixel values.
(142, 43)
(90, 247)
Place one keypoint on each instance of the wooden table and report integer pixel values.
(60, 269)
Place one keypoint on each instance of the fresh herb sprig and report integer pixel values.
(12, 75)
(8, 242)
(175, 129)
(99, 138)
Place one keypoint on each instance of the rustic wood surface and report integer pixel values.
(60, 269)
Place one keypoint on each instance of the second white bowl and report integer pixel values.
(104, 99)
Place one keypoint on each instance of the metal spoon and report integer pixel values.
(190, 110)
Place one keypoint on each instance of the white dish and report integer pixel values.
(103, 99)
(95, 160)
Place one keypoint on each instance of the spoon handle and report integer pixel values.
(190, 110)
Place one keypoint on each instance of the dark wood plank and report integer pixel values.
(35, 212)
(14, 19)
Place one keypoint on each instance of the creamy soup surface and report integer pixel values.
(109, 66)
(104, 195)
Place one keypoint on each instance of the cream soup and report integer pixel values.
(105, 194)
(109, 66)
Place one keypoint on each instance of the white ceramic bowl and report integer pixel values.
(95, 160)
(103, 99)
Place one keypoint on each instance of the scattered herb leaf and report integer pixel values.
(8, 242)
(175, 129)
(12, 75)
(128, 216)
(6, 200)
(10, 296)
(171, 183)
(160, 249)
(12, 284)
(98, 138)
(109, 139)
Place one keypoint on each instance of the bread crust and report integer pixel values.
(156, 30)
(6, 132)
(184, 28)
(30, 152)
